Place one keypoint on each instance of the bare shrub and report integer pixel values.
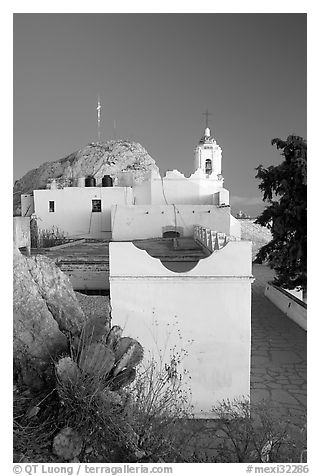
(51, 237)
(255, 433)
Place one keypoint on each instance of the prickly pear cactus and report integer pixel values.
(67, 371)
(67, 444)
(122, 379)
(96, 360)
(122, 346)
(128, 354)
(113, 337)
(111, 363)
(93, 331)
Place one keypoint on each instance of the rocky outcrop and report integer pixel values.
(259, 235)
(45, 312)
(96, 159)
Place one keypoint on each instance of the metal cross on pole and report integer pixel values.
(114, 129)
(207, 114)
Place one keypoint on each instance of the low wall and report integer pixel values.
(288, 304)
(86, 276)
(21, 232)
(203, 315)
(138, 222)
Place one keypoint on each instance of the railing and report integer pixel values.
(212, 240)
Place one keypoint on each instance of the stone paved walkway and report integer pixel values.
(279, 354)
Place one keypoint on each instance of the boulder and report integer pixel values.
(67, 444)
(45, 312)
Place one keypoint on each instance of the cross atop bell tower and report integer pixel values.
(207, 114)
(207, 132)
(208, 154)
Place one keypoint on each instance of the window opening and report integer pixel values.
(51, 206)
(96, 205)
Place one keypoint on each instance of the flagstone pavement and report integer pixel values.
(278, 354)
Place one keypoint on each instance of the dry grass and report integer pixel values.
(51, 237)
(152, 422)
(145, 422)
(32, 435)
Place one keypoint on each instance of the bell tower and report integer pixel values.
(208, 154)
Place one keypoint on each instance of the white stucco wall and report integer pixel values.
(147, 221)
(27, 205)
(21, 231)
(235, 227)
(223, 195)
(178, 189)
(205, 312)
(73, 209)
(142, 193)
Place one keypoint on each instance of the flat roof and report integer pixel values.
(172, 249)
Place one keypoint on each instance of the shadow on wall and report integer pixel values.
(176, 253)
(179, 266)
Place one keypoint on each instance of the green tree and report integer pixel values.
(285, 190)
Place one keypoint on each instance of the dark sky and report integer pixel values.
(156, 75)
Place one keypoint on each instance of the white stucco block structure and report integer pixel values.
(205, 311)
(174, 187)
(79, 211)
(150, 221)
